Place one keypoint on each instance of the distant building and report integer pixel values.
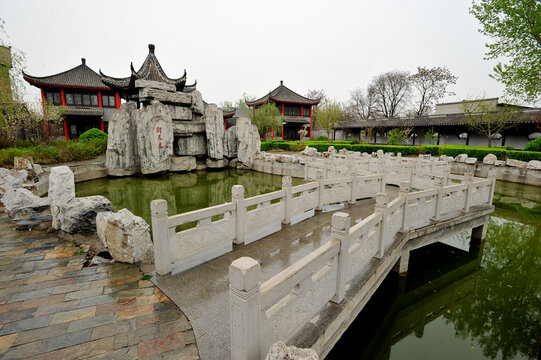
(449, 126)
(296, 110)
(89, 103)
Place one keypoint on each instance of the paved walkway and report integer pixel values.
(51, 307)
(202, 293)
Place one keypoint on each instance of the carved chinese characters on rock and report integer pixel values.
(160, 139)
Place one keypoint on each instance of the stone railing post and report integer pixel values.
(468, 180)
(381, 206)
(382, 185)
(288, 199)
(340, 225)
(404, 190)
(438, 183)
(306, 165)
(354, 187)
(245, 308)
(320, 190)
(160, 236)
(492, 176)
(237, 197)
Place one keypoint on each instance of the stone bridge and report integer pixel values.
(299, 277)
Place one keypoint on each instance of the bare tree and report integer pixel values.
(391, 91)
(360, 105)
(318, 95)
(489, 120)
(430, 85)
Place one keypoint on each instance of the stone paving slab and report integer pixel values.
(51, 307)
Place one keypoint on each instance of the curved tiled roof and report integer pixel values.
(283, 94)
(150, 70)
(80, 76)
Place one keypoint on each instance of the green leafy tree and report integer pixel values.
(328, 115)
(267, 118)
(515, 26)
(431, 137)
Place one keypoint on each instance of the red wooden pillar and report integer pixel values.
(45, 122)
(282, 122)
(63, 97)
(117, 100)
(66, 130)
(310, 131)
(100, 104)
(102, 126)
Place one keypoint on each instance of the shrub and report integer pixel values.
(524, 155)
(92, 135)
(534, 145)
(322, 138)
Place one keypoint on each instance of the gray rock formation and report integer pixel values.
(214, 126)
(198, 106)
(490, 159)
(61, 190)
(154, 138)
(470, 160)
(280, 351)
(160, 85)
(193, 145)
(249, 143)
(231, 142)
(516, 163)
(180, 113)
(78, 215)
(125, 235)
(534, 165)
(122, 158)
(22, 202)
(183, 163)
(10, 179)
(166, 97)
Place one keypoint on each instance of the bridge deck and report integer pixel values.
(202, 293)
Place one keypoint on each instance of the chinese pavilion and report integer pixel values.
(296, 110)
(89, 103)
(151, 70)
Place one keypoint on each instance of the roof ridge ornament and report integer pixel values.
(151, 48)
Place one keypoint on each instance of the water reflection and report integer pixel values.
(456, 304)
(183, 192)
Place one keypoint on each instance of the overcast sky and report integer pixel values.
(236, 47)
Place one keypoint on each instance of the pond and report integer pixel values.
(183, 192)
(455, 304)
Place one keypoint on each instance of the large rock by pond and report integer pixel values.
(214, 126)
(280, 351)
(122, 157)
(154, 138)
(125, 235)
(61, 190)
(78, 215)
(249, 142)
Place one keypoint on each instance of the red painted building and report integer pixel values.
(296, 110)
(89, 103)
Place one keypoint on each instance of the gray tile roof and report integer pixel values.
(283, 94)
(526, 116)
(80, 76)
(83, 111)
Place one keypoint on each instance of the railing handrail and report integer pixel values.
(195, 215)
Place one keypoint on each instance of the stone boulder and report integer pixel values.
(534, 165)
(231, 143)
(280, 351)
(379, 153)
(490, 159)
(331, 150)
(216, 164)
(21, 202)
(516, 163)
(122, 157)
(214, 126)
(198, 106)
(309, 151)
(10, 179)
(461, 158)
(61, 190)
(78, 215)
(499, 163)
(154, 138)
(125, 235)
(248, 143)
(470, 161)
(183, 163)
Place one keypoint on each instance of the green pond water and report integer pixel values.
(183, 192)
(454, 303)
